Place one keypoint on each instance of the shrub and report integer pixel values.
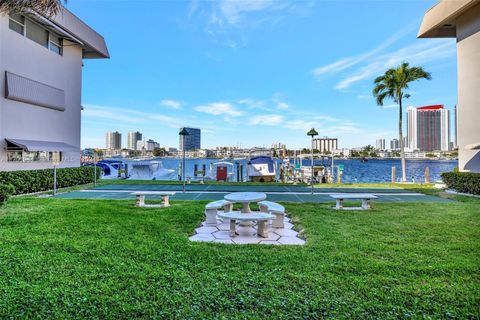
(30, 181)
(466, 182)
(6, 190)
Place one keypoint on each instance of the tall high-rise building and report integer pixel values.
(394, 144)
(428, 128)
(113, 140)
(192, 141)
(380, 144)
(325, 144)
(132, 139)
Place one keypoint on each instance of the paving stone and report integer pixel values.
(206, 229)
(228, 241)
(221, 235)
(246, 240)
(212, 225)
(223, 226)
(288, 225)
(269, 242)
(246, 231)
(272, 236)
(286, 232)
(291, 240)
(202, 237)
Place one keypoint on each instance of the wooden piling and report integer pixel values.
(394, 174)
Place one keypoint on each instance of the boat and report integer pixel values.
(321, 169)
(261, 169)
(109, 167)
(149, 170)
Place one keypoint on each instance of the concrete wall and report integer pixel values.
(27, 58)
(468, 108)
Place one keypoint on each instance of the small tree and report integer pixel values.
(392, 85)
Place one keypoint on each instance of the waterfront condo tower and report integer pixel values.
(428, 128)
(113, 140)
(40, 84)
(132, 139)
(192, 140)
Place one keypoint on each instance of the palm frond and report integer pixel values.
(46, 8)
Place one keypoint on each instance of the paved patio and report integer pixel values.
(247, 235)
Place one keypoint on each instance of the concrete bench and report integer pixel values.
(140, 198)
(261, 218)
(276, 209)
(211, 210)
(364, 197)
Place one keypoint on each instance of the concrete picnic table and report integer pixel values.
(245, 198)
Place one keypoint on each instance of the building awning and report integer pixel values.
(29, 91)
(473, 146)
(35, 145)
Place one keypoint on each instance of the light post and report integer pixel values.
(312, 133)
(95, 160)
(183, 133)
(56, 162)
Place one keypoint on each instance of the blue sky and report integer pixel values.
(250, 73)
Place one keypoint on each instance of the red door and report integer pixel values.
(221, 173)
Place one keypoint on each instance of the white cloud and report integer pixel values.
(219, 108)
(267, 119)
(121, 115)
(253, 103)
(365, 96)
(418, 53)
(172, 104)
(228, 22)
(346, 63)
(282, 105)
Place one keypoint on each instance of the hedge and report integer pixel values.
(30, 181)
(465, 182)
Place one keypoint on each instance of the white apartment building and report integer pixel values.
(325, 144)
(113, 140)
(461, 20)
(148, 145)
(380, 143)
(132, 139)
(40, 85)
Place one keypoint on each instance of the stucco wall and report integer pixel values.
(25, 57)
(468, 108)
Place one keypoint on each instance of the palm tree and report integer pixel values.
(393, 85)
(47, 8)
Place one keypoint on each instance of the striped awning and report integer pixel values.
(35, 145)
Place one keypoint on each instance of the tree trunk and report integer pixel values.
(400, 135)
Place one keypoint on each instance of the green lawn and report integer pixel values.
(107, 259)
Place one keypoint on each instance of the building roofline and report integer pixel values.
(74, 29)
(440, 20)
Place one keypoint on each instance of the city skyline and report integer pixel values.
(258, 74)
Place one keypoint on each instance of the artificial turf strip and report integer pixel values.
(107, 259)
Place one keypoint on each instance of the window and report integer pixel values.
(35, 32)
(17, 23)
(15, 155)
(55, 44)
